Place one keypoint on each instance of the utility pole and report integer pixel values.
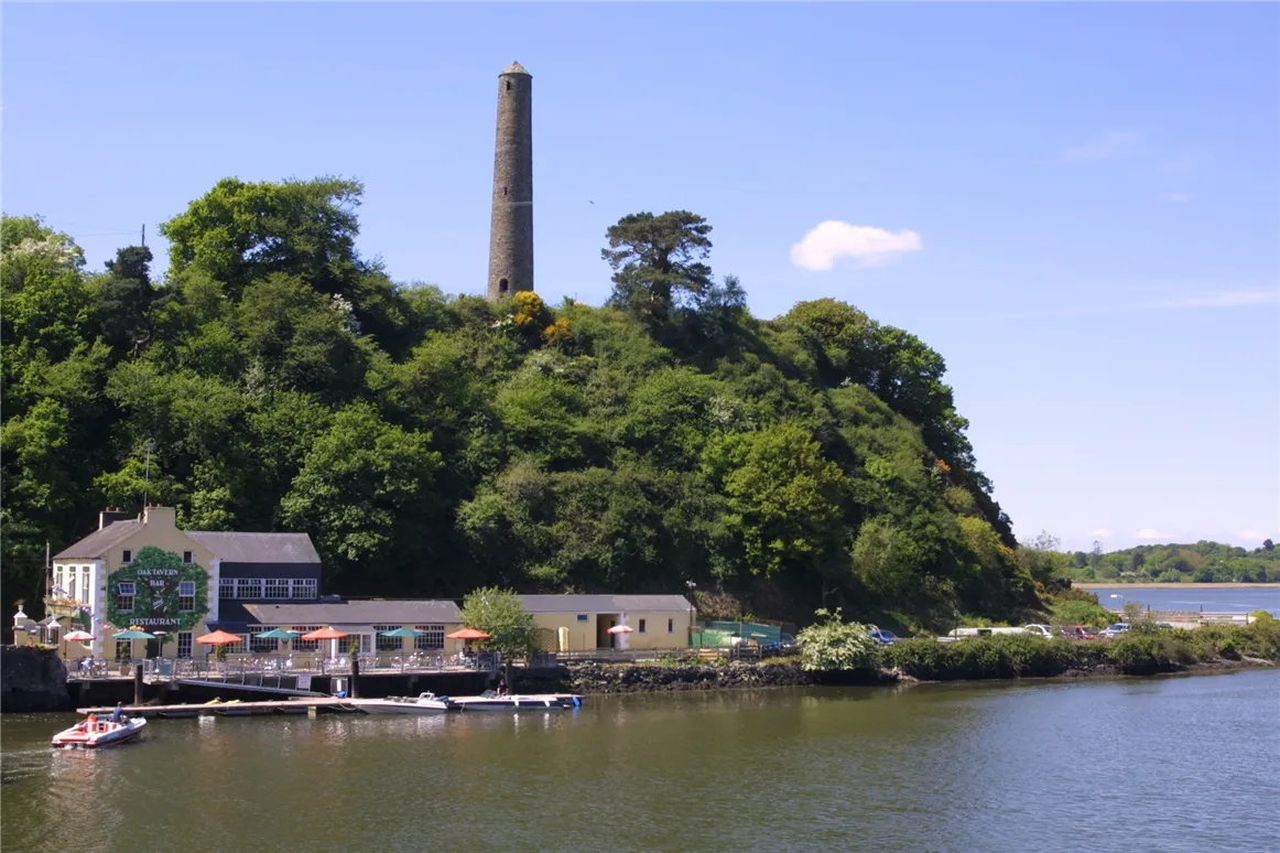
(146, 475)
(144, 235)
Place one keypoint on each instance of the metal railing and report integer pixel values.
(242, 666)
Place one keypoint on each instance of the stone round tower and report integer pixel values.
(511, 230)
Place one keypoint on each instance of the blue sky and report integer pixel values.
(1077, 205)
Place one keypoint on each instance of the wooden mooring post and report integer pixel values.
(137, 684)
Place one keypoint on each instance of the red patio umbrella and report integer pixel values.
(329, 633)
(218, 638)
(468, 634)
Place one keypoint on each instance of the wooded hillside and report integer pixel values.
(275, 380)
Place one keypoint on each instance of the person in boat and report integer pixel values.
(117, 716)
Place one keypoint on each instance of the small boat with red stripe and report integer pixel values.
(95, 731)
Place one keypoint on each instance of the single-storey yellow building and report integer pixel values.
(577, 623)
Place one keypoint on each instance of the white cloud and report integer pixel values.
(1150, 533)
(829, 241)
(1105, 147)
(1175, 198)
(1102, 533)
(1227, 299)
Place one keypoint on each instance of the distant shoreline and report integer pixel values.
(1166, 585)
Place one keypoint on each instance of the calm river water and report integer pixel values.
(1191, 597)
(1185, 763)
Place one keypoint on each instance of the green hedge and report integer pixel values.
(1137, 653)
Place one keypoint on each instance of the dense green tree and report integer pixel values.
(125, 297)
(511, 629)
(658, 261)
(295, 338)
(239, 232)
(358, 492)
(783, 498)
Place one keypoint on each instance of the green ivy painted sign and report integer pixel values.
(157, 576)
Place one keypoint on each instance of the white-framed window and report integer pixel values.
(71, 587)
(125, 592)
(123, 650)
(432, 639)
(226, 587)
(248, 587)
(387, 644)
(186, 596)
(276, 588)
(184, 644)
(86, 581)
(641, 626)
(261, 644)
(186, 556)
(301, 645)
(127, 557)
(303, 588)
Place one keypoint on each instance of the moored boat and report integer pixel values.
(94, 731)
(423, 703)
(518, 701)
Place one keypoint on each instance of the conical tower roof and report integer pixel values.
(515, 68)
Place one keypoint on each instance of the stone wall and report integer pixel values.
(32, 679)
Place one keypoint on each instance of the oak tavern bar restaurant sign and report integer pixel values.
(157, 591)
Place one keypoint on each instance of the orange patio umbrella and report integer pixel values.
(218, 638)
(329, 633)
(468, 634)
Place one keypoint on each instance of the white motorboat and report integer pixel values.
(94, 731)
(423, 703)
(489, 701)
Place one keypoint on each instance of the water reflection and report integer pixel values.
(989, 767)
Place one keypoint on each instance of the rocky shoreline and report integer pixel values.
(32, 680)
(606, 678)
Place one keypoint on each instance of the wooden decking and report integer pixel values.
(273, 706)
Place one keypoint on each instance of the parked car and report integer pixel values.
(1039, 631)
(1076, 632)
(786, 646)
(883, 636)
(1115, 630)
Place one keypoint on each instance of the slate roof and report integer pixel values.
(605, 603)
(236, 547)
(363, 612)
(100, 541)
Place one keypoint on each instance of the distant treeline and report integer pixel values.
(1203, 562)
(276, 380)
